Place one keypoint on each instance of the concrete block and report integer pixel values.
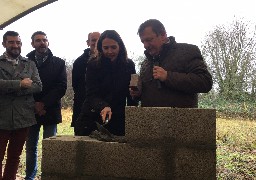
(59, 154)
(81, 158)
(162, 143)
(182, 125)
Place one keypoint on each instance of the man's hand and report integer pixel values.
(135, 92)
(39, 108)
(159, 73)
(26, 83)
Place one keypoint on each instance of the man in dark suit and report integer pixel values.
(78, 76)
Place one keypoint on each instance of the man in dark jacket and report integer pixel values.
(52, 71)
(173, 73)
(78, 76)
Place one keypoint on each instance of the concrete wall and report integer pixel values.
(162, 143)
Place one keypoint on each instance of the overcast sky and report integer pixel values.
(67, 22)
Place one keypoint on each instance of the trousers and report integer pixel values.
(32, 147)
(15, 140)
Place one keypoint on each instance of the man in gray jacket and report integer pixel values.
(19, 79)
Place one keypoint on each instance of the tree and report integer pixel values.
(67, 100)
(137, 59)
(230, 53)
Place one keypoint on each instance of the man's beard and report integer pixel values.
(42, 50)
(14, 52)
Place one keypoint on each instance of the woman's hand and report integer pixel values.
(104, 112)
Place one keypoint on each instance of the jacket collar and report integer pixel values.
(171, 44)
(8, 67)
(31, 55)
(2, 58)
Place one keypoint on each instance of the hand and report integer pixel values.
(135, 92)
(41, 113)
(159, 73)
(39, 108)
(26, 83)
(104, 112)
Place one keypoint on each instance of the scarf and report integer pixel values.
(40, 58)
(14, 62)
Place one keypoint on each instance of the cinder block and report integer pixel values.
(106, 160)
(151, 163)
(162, 143)
(123, 161)
(185, 125)
(82, 157)
(194, 164)
(59, 154)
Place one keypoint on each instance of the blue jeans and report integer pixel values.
(31, 147)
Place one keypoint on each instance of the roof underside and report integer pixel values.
(12, 10)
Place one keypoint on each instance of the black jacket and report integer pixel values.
(78, 71)
(78, 83)
(107, 85)
(54, 79)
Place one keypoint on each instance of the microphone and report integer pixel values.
(159, 86)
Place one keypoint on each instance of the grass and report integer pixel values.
(236, 147)
(63, 129)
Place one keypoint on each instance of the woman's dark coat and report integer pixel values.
(107, 85)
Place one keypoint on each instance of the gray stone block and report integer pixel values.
(103, 160)
(81, 157)
(123, 161)
(59, 154)
(189, 126)
(162, 143)
(194, 164)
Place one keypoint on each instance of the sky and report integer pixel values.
(68, 22)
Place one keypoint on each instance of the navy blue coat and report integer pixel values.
(78, 83)
(54, 79)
